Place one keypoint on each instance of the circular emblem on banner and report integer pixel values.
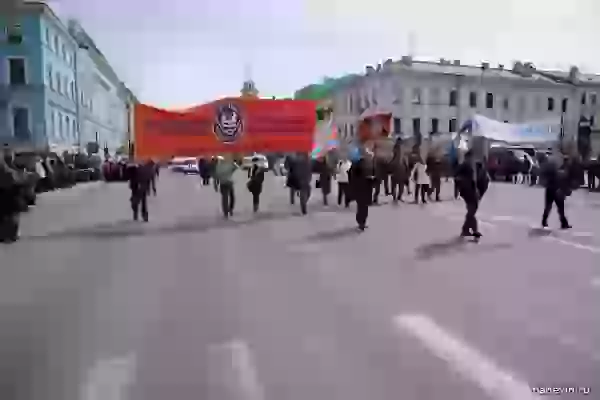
(229, 124)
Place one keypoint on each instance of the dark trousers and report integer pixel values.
(386, 187)
(456, 189)
(436, 187)
(343, 193)
(471, 226)
(304, 196)
(554, 197)
(227, 198)
(362, 212)
(397, 189)
(216, 184)
(9, 227)
(152, 186)
(139, 200)
(423, 190)
(206, 180)
(255, 200)
(591, 180)
(293, 194)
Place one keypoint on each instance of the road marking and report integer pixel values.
(503, 218)
(468, 362)
(242, 371)
(110, 379)
(593, 249)
(582, 234)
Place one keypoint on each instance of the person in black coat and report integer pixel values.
(139, 176)
(255, 183)
(469, 188)
(557, 184)
(362, 180)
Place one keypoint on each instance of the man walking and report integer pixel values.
(224, 174)
(467, 184)
(557, 187)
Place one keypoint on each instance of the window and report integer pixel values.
(434, 96)
(489, 100)
(435, 125)
(397, 125)
(72, 90)
(416, 125)
(453, 98)
(522, 104)
(52, 125)
(14, 35)
(49, 77)
(564, 105)
(60, 125)
(550, 104)
(473, 99)
(583, 98)
(20, 123)
(506, 121)
(48, 39)
(58, 83)
(56, 44)
(64, 52)
(352, 130)
(16, 70)
(505, 103)
(593, 98)
(452, 125)
(416, 96)
(75, 134)
(67, 127)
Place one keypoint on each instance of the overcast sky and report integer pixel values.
(175, 53)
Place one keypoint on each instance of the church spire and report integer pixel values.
(248, 88)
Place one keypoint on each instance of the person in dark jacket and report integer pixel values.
(556, 189)
(255, 183)
(434, 169)
(138, 176)
(466, 177)
(302, 171)
(382, 175)
(10, 192)
(290, 180)
(204, 171)
(151, 167)
(362, 178)
(325, 176)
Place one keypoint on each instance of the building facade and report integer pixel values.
(427, 98)
(56, 88)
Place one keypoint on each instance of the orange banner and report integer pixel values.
(233, 125)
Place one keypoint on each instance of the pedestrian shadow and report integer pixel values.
(456, 245)
(539, 232)
(335, 234)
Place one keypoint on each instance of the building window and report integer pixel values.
(435, 125)
(14, 35)
(506, 121)
(489, 100)
(16, 71)
(473, 99)
(56, 44)
(564, 105)
(75, 134)
(453, 98)
(48, 39)
(434, 96)
(593, 98)
(550, 104)
(72, 90)
(583, 98)
(505, 103)
(58, 83)
(452, 125)
(416, 125)
(352, 130)
(397, 125)
(67, 127)
(522, 104)
(49, 77)
(20, 123)
(51, 131)
(416, 96)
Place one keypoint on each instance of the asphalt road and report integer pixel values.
(277, 306)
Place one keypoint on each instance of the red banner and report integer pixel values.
(235, 125)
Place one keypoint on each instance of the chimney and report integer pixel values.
(501, 67)
(518, 67)
(442, 61)
(457, 62)
(485, 65)
(407, 60)
(574, 74)
(369, 70)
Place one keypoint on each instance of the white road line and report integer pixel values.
(109, 379)
(468, 362)
(242, 371)
(593, 249)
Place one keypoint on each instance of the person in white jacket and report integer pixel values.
(343, 182)
(421, 179)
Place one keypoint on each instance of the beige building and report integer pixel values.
(427, 98)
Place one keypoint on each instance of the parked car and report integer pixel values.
(186, 165)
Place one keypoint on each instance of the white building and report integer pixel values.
(425, 97)
(103, 98)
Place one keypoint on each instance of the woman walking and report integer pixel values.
(255, 183)
(421, 179)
